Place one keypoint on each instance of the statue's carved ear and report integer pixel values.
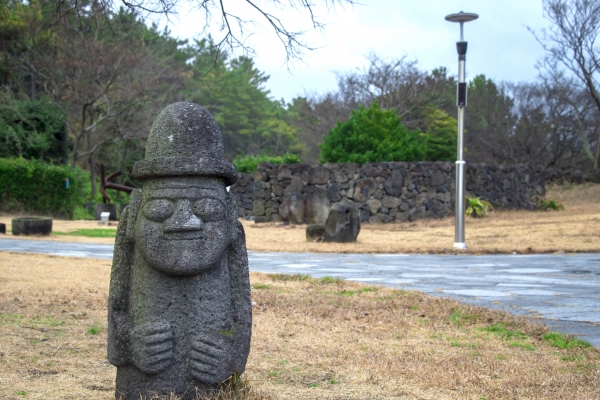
(232, 209)
(134, 206)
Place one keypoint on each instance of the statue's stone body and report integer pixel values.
(179, 306)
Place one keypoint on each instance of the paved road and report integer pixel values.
(563, 290)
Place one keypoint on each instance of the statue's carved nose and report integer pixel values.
(183, 219)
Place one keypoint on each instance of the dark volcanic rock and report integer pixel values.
(319, 176)
(315, 233)
(295, 186)
(363, 189)
(31, 226)
(343, 224)
(393, 185)
(317, 207)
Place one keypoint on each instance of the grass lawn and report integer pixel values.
(320, 338)
(576, 229)
(312, 339)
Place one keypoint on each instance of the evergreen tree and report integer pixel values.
(372, 135)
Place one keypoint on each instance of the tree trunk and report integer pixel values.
(93, 174)
(597, 161)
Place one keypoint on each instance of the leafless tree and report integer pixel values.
(540, 123)
(396, 84)
(234, 25)
(572, 43)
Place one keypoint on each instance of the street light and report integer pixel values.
(461, 102)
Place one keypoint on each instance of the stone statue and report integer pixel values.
(180, 313)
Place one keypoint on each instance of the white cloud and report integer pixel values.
(500, 46)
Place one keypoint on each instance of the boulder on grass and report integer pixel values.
(31, 226)
(315, 233)
(343, 224)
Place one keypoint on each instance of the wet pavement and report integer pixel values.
(563, 290)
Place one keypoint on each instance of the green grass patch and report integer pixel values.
(21, 393)
(346, 293)
(98, 233)
(467, 345)
(572, 358)
(460, 318)
(585, 368)
(327, 279)
(353, 292)
(94, 329)
(523, 345)
(47, 320)
(289, 277)
(6, 319)
(260, 286)
(501, 329)
(561, 341)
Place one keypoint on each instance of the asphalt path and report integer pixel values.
(562, 290)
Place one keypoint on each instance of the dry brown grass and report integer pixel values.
(312, 339)
(577, 229)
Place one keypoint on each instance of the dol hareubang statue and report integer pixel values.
(180, 312)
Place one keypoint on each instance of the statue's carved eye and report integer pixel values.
(158, 210)
(209, 209)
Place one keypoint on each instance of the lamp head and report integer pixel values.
(461, 17)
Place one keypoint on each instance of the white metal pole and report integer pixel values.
(459, 234)
(461, 102)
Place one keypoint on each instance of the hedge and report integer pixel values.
(34, 186)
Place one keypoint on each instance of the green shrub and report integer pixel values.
(372, 135)
(441, 135)
(477, 208)
(550, 205)
(247, 164)
(32, 185)
(80, 213)
(33, 130)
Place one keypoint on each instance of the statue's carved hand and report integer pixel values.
(152, 345)
(209, 361)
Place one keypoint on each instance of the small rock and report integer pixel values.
(315, 233)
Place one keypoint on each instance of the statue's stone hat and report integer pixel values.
(185, 141)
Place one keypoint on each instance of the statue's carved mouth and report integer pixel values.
(183, 235)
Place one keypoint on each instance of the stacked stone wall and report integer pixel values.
(382, 192)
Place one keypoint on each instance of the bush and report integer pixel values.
(32, 185)
(372, 135)
(33, 130)
(551, 205)
(250, 163)
(441, 135)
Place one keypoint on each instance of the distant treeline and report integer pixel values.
(84, 89)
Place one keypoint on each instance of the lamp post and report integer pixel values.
(461, 102)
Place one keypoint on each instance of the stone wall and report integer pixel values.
(383, 192)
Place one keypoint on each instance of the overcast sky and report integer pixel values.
(500, 46)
